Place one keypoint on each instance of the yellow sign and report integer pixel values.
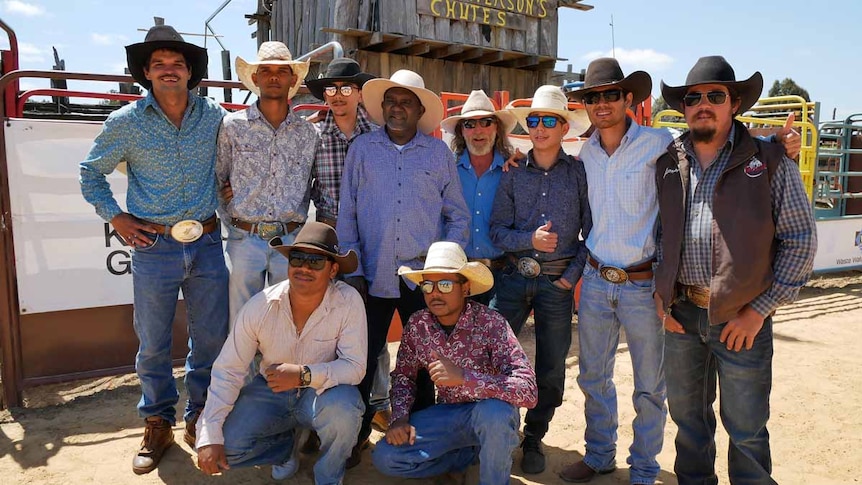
(510, 14)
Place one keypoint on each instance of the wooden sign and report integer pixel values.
(507, 14)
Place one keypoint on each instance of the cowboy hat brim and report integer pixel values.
(505, 117)
(373, 92)
(244, 70)
(579, 121)
(480, 277)
(639, 83)
(316, 86)
(748, 91)
(347, 263)
(138, 54)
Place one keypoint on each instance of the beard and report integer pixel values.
(703, 135)
(480, 149)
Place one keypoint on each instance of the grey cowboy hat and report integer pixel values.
(320, 238)
(716, 70)
(165, 37)
(606, 72)
(342, 69)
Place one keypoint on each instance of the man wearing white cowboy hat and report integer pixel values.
(539, 215)
(400, 192)
(310, 331)
(482, 375)
(738, 241)
(265, 154)
(481, 145)
(168, 141)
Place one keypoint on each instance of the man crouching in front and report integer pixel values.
(311, 333)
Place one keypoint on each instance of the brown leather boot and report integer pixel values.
(190, 433)
(158, 437)
(380, 422)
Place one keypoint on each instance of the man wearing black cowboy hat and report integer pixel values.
(738, 241)
(168, 141)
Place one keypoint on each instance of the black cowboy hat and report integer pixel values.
(321, 238)
(165, 37)
(605, 72)
(342, 69)
(716, 70)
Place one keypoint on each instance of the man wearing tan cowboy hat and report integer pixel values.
(738, 241)
(168, 141)
(482, 375)
(539, 214)
(265, 153)
(400, 192)
(310, 330)
(481, 145)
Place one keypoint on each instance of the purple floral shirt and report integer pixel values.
(482, 344)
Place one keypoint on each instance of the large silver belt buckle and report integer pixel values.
(614, 274)
(269, 230)
(187, 231)
(529, 267)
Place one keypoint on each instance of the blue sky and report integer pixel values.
(813, 43)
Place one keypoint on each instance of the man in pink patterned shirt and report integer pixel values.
(481, 373)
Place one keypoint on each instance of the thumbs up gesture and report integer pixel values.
(544, 240)
(444, 372)
(789, 138)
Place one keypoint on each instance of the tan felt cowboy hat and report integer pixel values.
(342, 69)
(716, 70)
(374, 90)
(446, 257)
(272, 54)
(550, 99)
(320, 238)
(165, 37)
(479, 105)
(606, 72)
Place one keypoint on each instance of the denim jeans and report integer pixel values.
(487, 298)
(158, 273)
(604, 308)
(693, 362)
(260, 428)
(449, 437)
(379, 400)
(552, 310)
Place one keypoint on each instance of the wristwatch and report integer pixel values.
(305, 376)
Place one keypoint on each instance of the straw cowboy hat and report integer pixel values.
(479, 105)
(606, 72)
(165, 37)
(446, 257)
(550, 99)
(716, 70)
(344, 70)
(272, 54)
(374, 90)
(320, 238)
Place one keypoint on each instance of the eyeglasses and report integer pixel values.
(314, 261)
(444, 286)
(483, 122)
(548, 121)
(346, 90)
(611, 96)
(714, 97)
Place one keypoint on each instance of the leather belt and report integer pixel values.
(209, 225)
(492, 264)
(531, 268)
(695, 294)
(612, 274)
(266, 230)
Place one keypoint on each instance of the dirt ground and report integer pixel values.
(86, 432)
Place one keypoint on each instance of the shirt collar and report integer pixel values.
(253, 113)
(421, 139)
(150, 101)
(497, 162)
(631, 133)
(561, 157)
(363, 123)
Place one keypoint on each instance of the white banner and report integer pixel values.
(839, 245)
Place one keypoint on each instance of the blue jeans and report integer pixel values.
(552, 310)
(488, 297)
(693, 361)
(260, 428)
(449, 437)
(604, 308)
(158, 273)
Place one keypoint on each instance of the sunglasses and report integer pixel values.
(483, 122)
(443, 286)
(548, 121)
(345, 90)
(611, 96)
(314, 261)
(714, 97)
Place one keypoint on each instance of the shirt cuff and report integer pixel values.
(208, 434)
(764, 305)
(320, 380)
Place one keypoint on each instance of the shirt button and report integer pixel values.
(477, 212)
(477, 229)
(480, 194)
(546, 174)
(543, 215)
(543, 194)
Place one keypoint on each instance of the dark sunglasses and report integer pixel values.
(548, 121)
(346, 90)
(314, 261)
(483, 122)
(444, 286)
(714, 97)
(611, 96)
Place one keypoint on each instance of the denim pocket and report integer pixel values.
(234, 234)
(647, 284)
(555, 287)
(153, 237)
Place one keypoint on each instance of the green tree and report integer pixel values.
(788, 87)
(659, 105)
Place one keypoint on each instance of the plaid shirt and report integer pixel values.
(332, 146)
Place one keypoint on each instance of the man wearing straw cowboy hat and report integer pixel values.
(265, 153)
(539, 214)
(482, 375)
(310, 330)
(738, 240)
(168, 141)
(400, 192)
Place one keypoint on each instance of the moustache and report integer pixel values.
(705, 113)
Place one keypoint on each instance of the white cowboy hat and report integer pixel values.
(272, 54)
(373, 91)
(550, 99)
(479, 105)
(445, 257)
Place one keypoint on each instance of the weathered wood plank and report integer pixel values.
(457, 33)
(474, 34)
(399, 17)
(547, 37)
(426, 26)
(441, 29)
(531, 40)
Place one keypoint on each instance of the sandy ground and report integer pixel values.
(86, 432)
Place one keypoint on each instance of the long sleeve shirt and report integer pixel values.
(171, 170)
(333, 344)
(530, 197)
(482, 345)
(395, 203)
(269, 169)
(479, 195)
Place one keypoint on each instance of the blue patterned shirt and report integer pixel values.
(395, 203)
(171, 170)
(479, 195)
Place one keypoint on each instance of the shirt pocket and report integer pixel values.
(322, 349)
(636, 191)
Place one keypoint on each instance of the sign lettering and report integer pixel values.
(509, 14)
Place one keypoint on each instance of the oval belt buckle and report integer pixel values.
(614, 274)
(529, 267)
(187, 231)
